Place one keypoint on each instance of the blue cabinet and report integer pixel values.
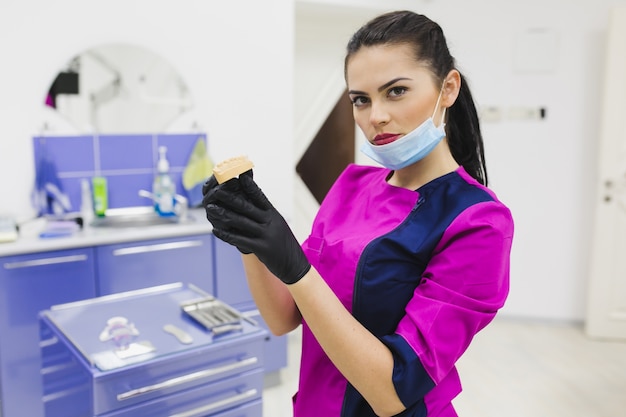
(275, 347)
(140, 264)
(215, 375)
(230, 277)
(29, 284)
(232, 288)
(34, 282)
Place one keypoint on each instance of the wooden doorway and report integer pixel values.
(330, 151)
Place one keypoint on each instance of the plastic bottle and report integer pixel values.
(86, 204)
(100, 195)
(163, 188)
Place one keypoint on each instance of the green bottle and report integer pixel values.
(100, 202)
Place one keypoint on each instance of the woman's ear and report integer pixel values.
(451, 88)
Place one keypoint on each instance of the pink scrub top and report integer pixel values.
(423, 270)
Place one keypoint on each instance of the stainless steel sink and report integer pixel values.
(141, 216)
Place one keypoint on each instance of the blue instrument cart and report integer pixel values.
(171, 350)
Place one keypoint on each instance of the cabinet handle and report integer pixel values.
(186, 378)
(158, 247)
(45, 261)
(201, 411)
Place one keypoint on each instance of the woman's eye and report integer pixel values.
(359, 101)
(396, 91)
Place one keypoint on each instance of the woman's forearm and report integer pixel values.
(271, 296)
(361, 357)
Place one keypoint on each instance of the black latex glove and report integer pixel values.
(209, 189)
(243, 216)
(211, 186)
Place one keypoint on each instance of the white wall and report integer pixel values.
(545, 171)
(236, 57)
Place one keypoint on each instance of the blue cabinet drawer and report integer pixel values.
(231, 397)
(250, 409)
(164, 376)
(141, 264)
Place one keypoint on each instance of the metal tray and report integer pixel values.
(213, 314)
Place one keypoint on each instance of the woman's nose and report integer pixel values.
(379, 115)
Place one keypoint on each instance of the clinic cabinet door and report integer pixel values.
(141, 264)
(29, 284)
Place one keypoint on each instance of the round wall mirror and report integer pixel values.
(119, 88)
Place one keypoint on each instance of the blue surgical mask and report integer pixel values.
(410, 148)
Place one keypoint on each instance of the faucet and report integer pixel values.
(180, 209)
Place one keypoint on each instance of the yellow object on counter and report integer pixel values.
(198, 170)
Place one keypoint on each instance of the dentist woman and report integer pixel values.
(405, 263)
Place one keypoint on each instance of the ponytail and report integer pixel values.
(464, 137)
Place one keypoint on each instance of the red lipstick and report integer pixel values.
(384, 138)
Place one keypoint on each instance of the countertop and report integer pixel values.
(30, 242)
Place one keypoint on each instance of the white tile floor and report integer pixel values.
(515, 368)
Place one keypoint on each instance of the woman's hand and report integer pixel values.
(242, 215)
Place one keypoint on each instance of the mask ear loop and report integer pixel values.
(443, 117)
(443, 114)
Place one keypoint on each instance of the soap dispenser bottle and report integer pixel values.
(163, 188)
(86, 203)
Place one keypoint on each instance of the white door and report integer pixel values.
(606, 313)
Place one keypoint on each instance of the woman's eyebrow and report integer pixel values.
(361, 93)
(382, 87)
(395, 80)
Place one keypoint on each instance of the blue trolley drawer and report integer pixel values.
(237, 396)
(133, 385)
